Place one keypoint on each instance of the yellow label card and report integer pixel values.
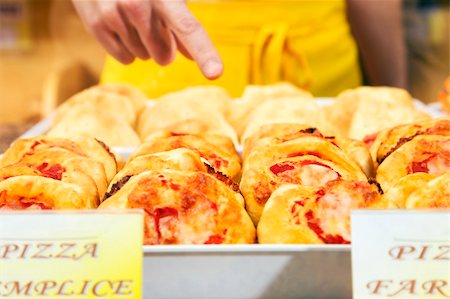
(71, 254)
(401, 254)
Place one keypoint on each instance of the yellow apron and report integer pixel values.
(307, 43)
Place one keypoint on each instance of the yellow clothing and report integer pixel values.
(305, 42)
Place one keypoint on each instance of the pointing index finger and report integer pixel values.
(192, 36)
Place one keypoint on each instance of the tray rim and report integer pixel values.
(244, 248)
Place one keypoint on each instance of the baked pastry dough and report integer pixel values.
(201, 127)
(278, 133)
(221, 160)
(425, 153)
(85, 147)
(307, 160)
(435, 194)
(256, 95)
(305, 215)
(70, 162)
(363, 111)
(185, 208)
(41, 193)
(133, 94)
(286, 110)
(177, 159)
(192, 110)
(100, 125)
(58, 172)
(396, 195)
(395, 137)
(93, 101)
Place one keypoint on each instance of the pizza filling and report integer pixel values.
(332, 221)
(432, 163)
(307, 172)
(8, 202)
(54, 171)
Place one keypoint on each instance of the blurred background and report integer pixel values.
(46, 56)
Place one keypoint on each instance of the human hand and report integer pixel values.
(149, 29)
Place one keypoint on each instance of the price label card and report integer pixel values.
(94, 254)
(401, 254)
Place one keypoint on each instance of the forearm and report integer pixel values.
(378, 28)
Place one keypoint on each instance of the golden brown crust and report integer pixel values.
(192, 110)
(286, 110)
(94, 101)
(185, 208)
(306, 215)
(308, 160)
(404, 187)
(279, 133)
(397, 136)
(101, 125)
(27, 146)
(256, 95)
(363, 111)
(425, 153)
(177, 159)
(83, 147)
(435, 194)
(133, 94)
(35, 192)
(71, 163)
(221, 160)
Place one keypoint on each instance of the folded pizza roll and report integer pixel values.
(279, 133)
(218, 158)
(308, 161)
(41, 193)
(256, 95)
(136, 97)
(425, 153)
(362, 111)
(201, 127)
(397, 195)
(305, 215)
(177, 159)
(286, 110)
(93, 101)
(395, 137)
(209, 105)
(102, 125)
(435, 194)
(99, 151)
(185, 208)
(57, 172)
(85, 147)
(276, 133)
(60, 160)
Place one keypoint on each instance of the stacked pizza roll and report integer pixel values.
(278, 103)
(195, 110)
(358, 113)
(300, 185)
(107, 112)
(54, 173)
(184, 173)
(413, 164)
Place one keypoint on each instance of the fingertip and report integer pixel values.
(212, 69)
(165, 59)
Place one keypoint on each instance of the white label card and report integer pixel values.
(401, 254)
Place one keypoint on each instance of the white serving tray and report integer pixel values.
(245, 271)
